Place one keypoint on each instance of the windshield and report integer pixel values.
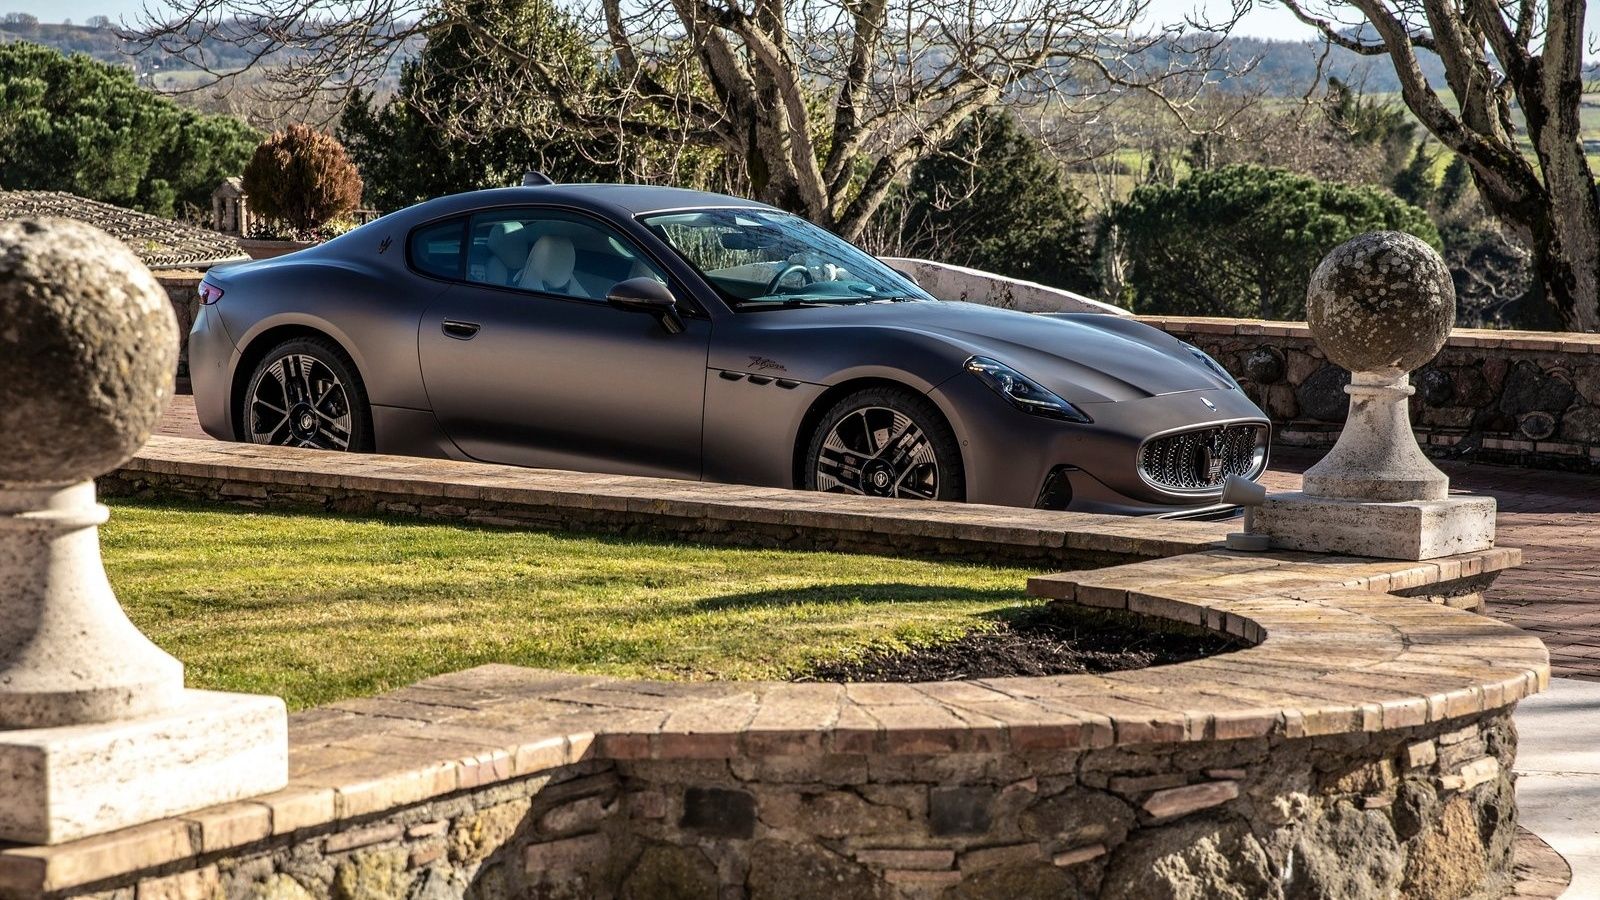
(766, 259)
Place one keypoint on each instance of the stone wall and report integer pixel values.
(1427, 812)
(507, 496)
(1525, 398)
(1361, 747)
(182, 287)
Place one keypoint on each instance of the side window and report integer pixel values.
(436, 249)
(551, 252)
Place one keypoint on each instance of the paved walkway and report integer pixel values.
(1558, 777)
(1553, 516)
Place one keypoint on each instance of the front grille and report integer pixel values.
(1201, 460)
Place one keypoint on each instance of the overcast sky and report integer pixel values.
(1264, 21)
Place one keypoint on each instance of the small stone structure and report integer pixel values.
(96, 729)
(230, 208)
(1380, 304)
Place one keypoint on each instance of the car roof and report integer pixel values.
(628, 199)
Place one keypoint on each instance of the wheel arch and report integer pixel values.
(826, 400)
(257, 348)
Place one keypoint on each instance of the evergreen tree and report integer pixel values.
(404, 150)
(1414, 184)
(993, 199)
(73, 124)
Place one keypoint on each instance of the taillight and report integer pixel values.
(209, 293)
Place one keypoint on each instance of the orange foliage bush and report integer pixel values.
(303, 178)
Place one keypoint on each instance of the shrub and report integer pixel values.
(1243, 240)
(302, 178)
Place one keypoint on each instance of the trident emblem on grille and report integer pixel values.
(1214, 457)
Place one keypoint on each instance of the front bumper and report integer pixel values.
(1009, 454)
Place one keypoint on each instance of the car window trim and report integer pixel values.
(688, 302)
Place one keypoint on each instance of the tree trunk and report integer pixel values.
(1555, 209)
(1566, 262)
(1567, 256)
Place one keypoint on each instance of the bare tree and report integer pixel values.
(822, 105)
(1504, 61)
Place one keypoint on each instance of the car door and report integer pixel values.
(525, 363)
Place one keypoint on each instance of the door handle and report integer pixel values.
(461, 331)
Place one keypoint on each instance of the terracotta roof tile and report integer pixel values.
(159, 243)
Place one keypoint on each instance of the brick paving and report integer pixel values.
(1553, 516)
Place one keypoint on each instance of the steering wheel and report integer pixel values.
(772, 286)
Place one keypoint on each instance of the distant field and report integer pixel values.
(1131, 163)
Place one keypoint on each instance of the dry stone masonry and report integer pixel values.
(1362, 748)
(1530, 399)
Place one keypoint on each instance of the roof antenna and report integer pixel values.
(535, 179)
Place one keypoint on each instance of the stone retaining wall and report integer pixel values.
(1361, 746)
(1525, 398)
(1427, 812)
(475, 493)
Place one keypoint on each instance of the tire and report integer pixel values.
(306, 392)
(885, 442)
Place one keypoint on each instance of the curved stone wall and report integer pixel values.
(1363, 745)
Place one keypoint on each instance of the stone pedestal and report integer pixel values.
(1381, 305)
(97, 732)
(1406, 529)
(75, 781)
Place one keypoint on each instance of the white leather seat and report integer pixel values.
(508, 249)
(549, 267)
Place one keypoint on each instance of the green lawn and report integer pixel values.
(318, 607)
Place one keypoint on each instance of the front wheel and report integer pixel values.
(305, 393)
(885, 442)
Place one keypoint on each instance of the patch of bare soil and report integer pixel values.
(1040, 642)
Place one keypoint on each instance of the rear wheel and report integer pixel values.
(885, 442)
(306, 393)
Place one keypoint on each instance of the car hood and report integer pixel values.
(1086, 358)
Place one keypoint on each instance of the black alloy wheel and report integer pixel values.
(885, 442)
(306, 393)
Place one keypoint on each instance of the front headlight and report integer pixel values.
(1215, 367)
(1023, 392)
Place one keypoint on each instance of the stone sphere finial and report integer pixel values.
(88, 348)
(1381, 301)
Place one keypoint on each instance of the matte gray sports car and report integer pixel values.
(656, 331)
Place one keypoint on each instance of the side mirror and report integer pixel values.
(647, 295)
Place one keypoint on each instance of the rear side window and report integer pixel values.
(436, 249)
